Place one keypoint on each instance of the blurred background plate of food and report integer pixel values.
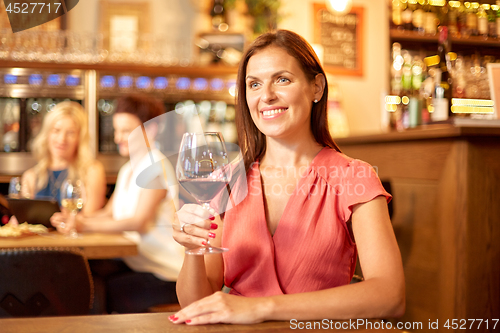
(11, 230)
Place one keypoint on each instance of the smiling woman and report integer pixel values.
(62, 149)
(292, 252)
(286, 94)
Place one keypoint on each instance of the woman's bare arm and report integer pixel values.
(106, 211)
(147, 208)
(200, 276)
(95, 188)
(28, 184)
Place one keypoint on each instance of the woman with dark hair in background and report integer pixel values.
(136, 283)
(293, 241)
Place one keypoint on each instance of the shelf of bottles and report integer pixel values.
(28, 94)
(210, 98)
(440, 51)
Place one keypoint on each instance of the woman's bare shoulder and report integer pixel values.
(29, 174)
(96, 167)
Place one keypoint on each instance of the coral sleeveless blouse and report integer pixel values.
(311, 248)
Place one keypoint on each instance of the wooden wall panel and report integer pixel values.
(483, 232)
(415, 224)
(421, 160)
(452, 223)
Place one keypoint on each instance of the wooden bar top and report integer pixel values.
(155, 322)
(94, 245)
(435, 131)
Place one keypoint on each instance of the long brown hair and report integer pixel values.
(252, 141)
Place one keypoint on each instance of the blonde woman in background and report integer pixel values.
(62, 150)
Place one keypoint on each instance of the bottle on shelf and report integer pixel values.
(393, 102)
(415, 101)
(217, 13)
(406, 73)
(453, 18)
(430, 19)
(459, 78)
(471, 18)
(482, 20)
(418, 17)
(406, 92)
(443, 82)
(396, 69)
(492, 21)
(426, 92)
(498, 18)
(442, 12)
(462, 19)
(407, 15)
(397, 9)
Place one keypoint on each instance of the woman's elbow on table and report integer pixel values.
(395, 300)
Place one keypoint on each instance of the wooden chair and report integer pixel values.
(44, 282)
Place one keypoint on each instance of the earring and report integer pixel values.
(315, 101)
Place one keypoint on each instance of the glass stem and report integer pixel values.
(206, 206)
(72, 232)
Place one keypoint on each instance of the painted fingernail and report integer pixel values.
(213, 226)
(211, 235)
(211, 217)
(203, 243)
(188, 321)
(173, 318)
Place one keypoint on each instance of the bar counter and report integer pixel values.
(158, 322)
(445, 183)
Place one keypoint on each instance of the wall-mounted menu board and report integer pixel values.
(342, 39)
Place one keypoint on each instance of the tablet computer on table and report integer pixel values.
(33, 211)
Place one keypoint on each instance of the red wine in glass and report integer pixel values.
(203, 190)
(203, 170)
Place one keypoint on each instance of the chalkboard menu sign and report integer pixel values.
(341, 39)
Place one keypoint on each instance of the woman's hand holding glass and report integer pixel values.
(198, 226)
(15, 188)
(72, 198)
(63, 222)
(204, 171)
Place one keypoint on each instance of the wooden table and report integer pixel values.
(94, 245)
(144, 322)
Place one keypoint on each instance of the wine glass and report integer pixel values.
(15, 188)
(203, 170)
(72, 197)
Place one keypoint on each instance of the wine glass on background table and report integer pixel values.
(15, 188)
(203, 170)
(72, 197)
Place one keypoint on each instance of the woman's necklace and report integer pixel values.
(56, 181)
